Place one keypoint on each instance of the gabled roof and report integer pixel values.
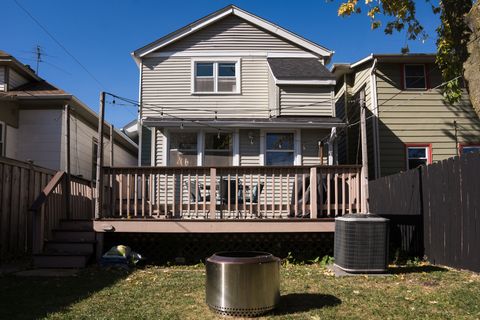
(8, 59)
(339, 69)
(304, 70)
(222, 13)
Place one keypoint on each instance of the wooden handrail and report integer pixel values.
(42, 198)
(207, 168)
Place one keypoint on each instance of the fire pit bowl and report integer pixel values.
(243, 283)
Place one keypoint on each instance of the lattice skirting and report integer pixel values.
(192, 248)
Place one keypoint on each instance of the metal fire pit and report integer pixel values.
(243, 284)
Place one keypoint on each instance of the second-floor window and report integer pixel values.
(415, 76)
(216, 77)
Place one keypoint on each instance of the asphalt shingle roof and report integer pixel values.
(299, 69)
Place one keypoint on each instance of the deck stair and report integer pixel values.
(71, 246)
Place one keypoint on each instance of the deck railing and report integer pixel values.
(64, 197)
(258, 192)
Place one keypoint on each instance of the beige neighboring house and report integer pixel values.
(409, 122)
(33, 124)
(232, 89)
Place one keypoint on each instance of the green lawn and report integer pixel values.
(308, 292)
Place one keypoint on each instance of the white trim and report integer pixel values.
(166, 147)
(216, 61)
(236, 147)
(359, 62)
(153, 148)
(139, 116)
(200, 147)
(427, 154)
(230, 53)
(261, 156)
(297, 147)
(405, 76)
(272, 28)
(306, 82)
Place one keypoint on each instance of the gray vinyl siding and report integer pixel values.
(232, 33)
(310, 147)
(40, 133)
(421, 117)
(306, 100)
(2, 79)
(15, 80)
(167, 82)
(249, 153)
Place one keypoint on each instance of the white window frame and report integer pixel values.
(3, 131)
(297, 154)
(405, 76)
(201, 146)
(215, 62)
(428, 153)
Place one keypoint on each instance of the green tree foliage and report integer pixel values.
(453, 33)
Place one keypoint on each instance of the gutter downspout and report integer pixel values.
(376, 134)
(139, 116)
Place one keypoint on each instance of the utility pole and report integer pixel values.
(99, 177)
(38, 52)
(67, 159)
(363, 133)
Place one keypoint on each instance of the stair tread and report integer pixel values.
(72, 230)
(71, 241)
(62, 254)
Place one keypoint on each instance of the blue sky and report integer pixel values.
(103, 33)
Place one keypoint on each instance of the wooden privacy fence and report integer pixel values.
(258, 192)
(447, 194)
(63, 198)
(21, 184)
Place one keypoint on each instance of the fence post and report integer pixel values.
(213, 192)
(38, 230)
(313, 193)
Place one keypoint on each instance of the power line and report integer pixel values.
(59, 44)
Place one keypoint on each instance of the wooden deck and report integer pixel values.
(230, 193)
(215, 226)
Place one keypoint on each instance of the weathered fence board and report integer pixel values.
(20, 184)
(447, 194)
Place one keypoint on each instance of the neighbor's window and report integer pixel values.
(94, 158)
(464, 149)
(2, 139)
(418, 156)
(183, 149)
(279, 149)
(216, 77)
(415, 76)
(218, 149)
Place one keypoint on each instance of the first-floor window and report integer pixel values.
(183, 149)
(279, 149)
(218, 149)
(2, 139)
(418, 155)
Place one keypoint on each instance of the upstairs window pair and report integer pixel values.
(216, 77)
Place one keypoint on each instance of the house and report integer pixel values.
(409, 123)
(237, 122)
(33, 124)
(233, 89)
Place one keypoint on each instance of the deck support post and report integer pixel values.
(213, 193)
(313, 193)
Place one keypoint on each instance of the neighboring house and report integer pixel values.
(233, 89)
(33, 124)
(409, 122)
